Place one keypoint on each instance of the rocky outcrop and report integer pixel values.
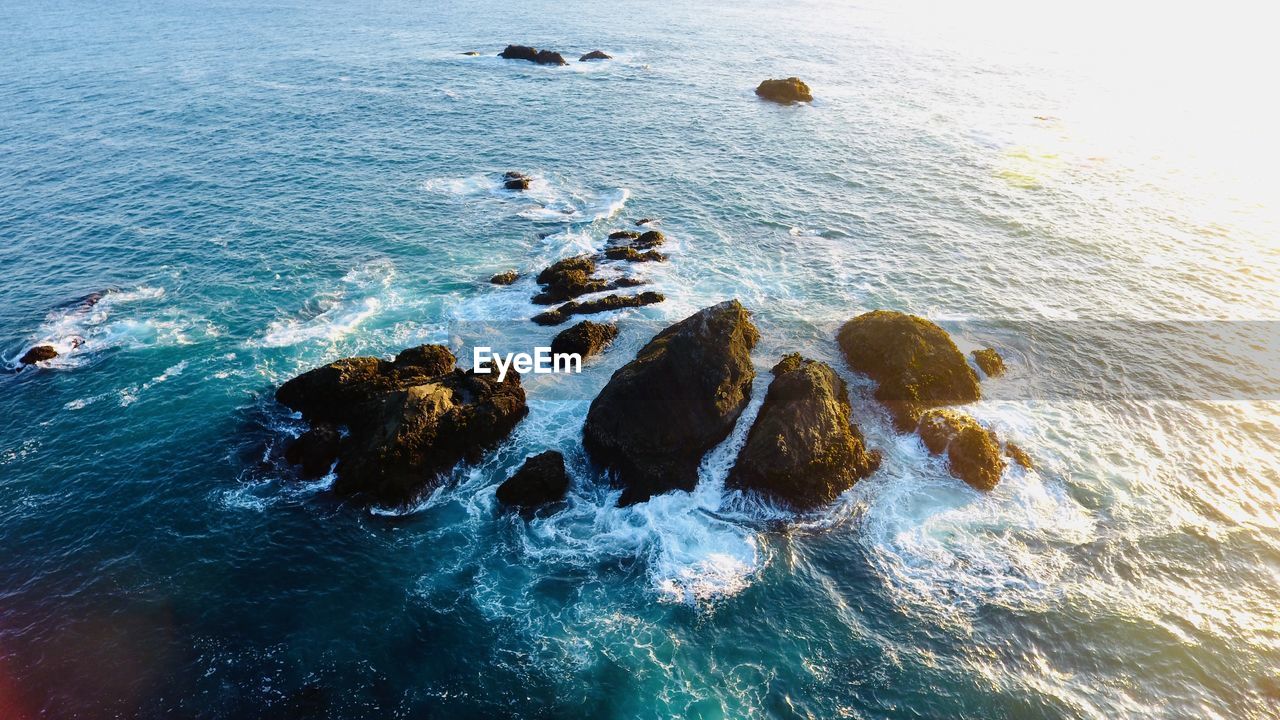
(595, 55)
(650, 239)
(567, 279)
(587, 338)
(408, 420)
(803, 449)
(540, 481)
(914, 361)
(505, 278)
(989, 361)
(513, 180)
(37, 354)
(973, 451)
(599, 305)
(315, 450)
(547, 57)
(790, 90)
(680, 396)
(519, 52)
(624, 235)
(630, 254)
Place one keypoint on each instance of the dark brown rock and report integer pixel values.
(630, 254)
(914, 361)
(646, 221)
(316, 450)
(680, 396)
(990, 361)
(540, 481)
(513, 180)
(39, 353)
(408, 421)
(973, 452)
(519, 52)
(604, 304)
(650, 239)
(786, 91)
(547, 57)
(595, 55)
(567, 279)
(624, 235)
(587, 338)
(803, 449)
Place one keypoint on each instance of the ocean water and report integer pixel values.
(258, 188)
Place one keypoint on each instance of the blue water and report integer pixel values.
(261, 188)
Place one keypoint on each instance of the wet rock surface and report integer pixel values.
(786, 91)
(598, 305)
(587, 338)
(540, 481)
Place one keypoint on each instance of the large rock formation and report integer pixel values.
(586, 339)
(803, 449)
(680, 396)
(599, 305)
(973, 452)
(915, 362)
(786, 91)
(541, 480)
(408, 420)
(39, 353)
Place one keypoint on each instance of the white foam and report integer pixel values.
(361, 296)
(129, 395)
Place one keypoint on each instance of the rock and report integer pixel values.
(595, 55)
(646, 221)
(990, 361)
(471, 53)
(680, 396)
(630, 254)
(803, 449)
(315, 450)
(914, 361)
(1019, 456)
(604, 304)
(650, 239)
(505, 278)
(624, 235)
(408, 421)
(541, 480)
(547, 57)
(785, 91)
(587, 338)
(973, 452)
(519, 52)
(39, 353)
(513, 180)
(567, 279)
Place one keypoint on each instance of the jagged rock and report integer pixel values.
(513, 180)
(973, 452)
(914, 361)
(785, 91)
(680, 396)
(604, 304)
(541, 480)
(630, 254)
(990, 361)
(587, 338)
(39, 353)
(803, 449)
(650, 239)
(595, 55)
(1018, 455)
(408, 420)
(505, 278)
(567, 279)
(315, 450)
(519, 52)
(624, 235)
(547, 57)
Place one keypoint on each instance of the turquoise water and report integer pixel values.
(262, 188)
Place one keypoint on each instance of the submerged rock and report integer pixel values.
(505, 278)
(541, 480)
(316, 450)
(471, 53)
(680, 396)
(803, 448)
(914, 361)
(595, 55)
(37, 354)
(990, 361)
(604, 304)
(513, 180)
(630, 254)
(587, 338)
(973, 452)
(408, 420)
(786, 91)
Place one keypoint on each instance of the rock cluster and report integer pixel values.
(541, 57)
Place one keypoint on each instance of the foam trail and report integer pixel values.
(361, 297)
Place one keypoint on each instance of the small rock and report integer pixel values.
(604, 304)
(39, 353)
(519, 52)
(646, 221)
(316, 450)
(1019, 456)
(587, 338)
(471, 53)
(990, 361)
(624, 235)
(595, 55)
(785, 91)
(541, 480)
(650, 239)
(505, 278)
(630, 254)
(513, 180)
(973, 452)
